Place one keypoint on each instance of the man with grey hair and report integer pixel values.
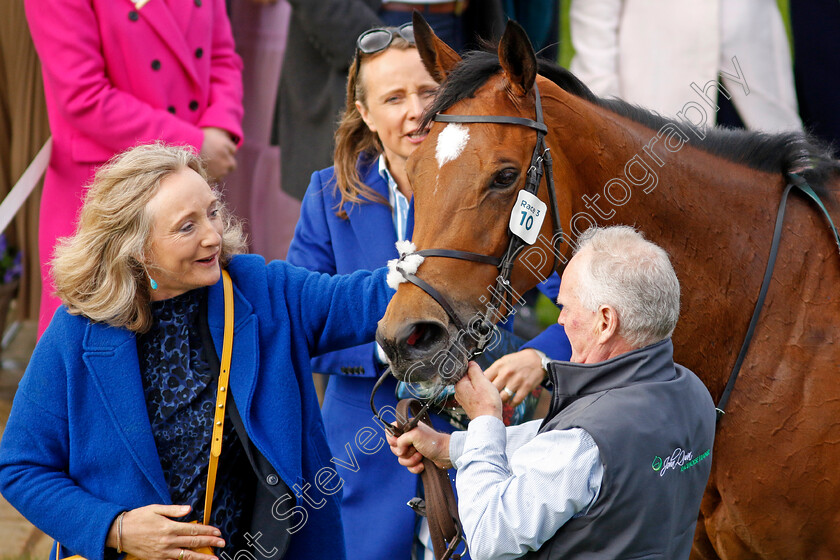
(618, 467)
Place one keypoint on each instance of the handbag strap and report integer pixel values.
(221, 396)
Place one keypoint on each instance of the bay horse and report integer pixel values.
(709, 197)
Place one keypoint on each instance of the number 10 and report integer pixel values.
(529, 222)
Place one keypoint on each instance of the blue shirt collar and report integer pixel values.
(397, 200)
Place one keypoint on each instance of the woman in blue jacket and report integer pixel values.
(351, 217)
(107, 446)
(347, 224)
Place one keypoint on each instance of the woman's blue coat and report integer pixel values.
(377, 522)
(78, 447)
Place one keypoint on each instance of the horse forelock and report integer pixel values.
(770, 152)
(471, 73)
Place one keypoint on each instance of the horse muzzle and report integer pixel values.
(411, 349)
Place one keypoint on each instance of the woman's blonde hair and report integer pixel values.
(353, 137)
(99, 271)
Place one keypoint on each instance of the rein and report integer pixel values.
(800, 183)
(440, 507)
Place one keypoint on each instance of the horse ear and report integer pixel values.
(517, 58)
(438, 57)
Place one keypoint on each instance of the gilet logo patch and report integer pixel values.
(681, 458)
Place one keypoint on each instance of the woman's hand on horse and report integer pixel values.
(520, 373)
(422, 441)
(149, 533)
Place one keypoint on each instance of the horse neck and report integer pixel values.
(695, 205)
(619, 171)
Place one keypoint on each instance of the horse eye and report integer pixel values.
(504, 178)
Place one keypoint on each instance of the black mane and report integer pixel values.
(776, 153)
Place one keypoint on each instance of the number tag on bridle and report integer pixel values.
(527, 217)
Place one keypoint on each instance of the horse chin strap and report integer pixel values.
(541, 164)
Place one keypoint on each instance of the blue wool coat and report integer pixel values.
(381, 487)
(78, 447)
(365, 241)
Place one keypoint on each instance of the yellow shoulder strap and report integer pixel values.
(221, 394)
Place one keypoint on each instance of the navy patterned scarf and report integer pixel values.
(180, 393)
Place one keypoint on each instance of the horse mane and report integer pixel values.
(783, 153)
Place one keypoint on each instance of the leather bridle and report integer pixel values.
(541, 164)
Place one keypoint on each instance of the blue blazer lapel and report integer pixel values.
(409, 221)
(374, 226)
(110, 354)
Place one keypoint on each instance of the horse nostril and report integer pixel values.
(415, 335)
(424, 336)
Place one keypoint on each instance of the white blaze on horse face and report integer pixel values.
(450, 143)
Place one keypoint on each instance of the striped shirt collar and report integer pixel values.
(399, 203)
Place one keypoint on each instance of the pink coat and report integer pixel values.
(115, 76)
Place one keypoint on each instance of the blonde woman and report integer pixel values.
(107, 445)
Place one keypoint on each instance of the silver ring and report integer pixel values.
(508, 392)
(181, 556)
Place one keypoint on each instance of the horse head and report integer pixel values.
(466, 178)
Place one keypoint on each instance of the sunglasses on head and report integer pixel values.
(375, 40)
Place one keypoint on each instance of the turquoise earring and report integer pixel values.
(154, 284)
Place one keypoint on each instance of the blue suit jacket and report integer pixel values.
(326, 243)
(553, 340)
(78, 447)
(381, 487)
